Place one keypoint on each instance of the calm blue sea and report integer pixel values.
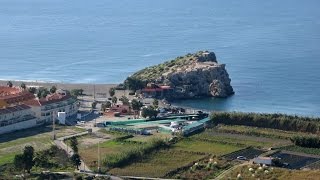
(271, 48)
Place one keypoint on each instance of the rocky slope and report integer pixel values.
(193, 75)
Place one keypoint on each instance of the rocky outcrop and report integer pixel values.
(193, 75)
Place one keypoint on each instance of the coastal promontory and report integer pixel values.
(189, 76)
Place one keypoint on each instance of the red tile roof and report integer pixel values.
(12, 95)
(52, 98)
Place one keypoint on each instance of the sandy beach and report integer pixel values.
(88, 88)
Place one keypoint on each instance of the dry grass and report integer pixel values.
(272, 173)
(90, 153)
(215, 148)
(39, 137)
(157, 164)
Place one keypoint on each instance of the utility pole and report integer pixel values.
(94, 92)
(99, 156)
(53, 127)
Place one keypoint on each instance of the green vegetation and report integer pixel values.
(76, 92)
(208, 168)
(134, 84)
(53, 89)
(74, 144)
(25, 160)
(40, 138)
(53, 159)
(42, 92)
(215, 148)
(114, 100)
(240, 140)
(256, 131)
(32, 90)
(112, 92)
(75, 159)
(158, 163)
(9, 84)
(249, 172)
(275, 121)
(105, 105)
(89, 153)
(138, 152)
(150, 112)
(315, 151)
(306, 141)
(23, 86)
(124, 100)
(150, 74)
(136, 105)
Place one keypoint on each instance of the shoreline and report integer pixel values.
(87, 88)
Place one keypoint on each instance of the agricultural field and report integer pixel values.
(39, 137)
(215, 148)
(257, 172)
(295, 161)
(249, 153)
(256, 131)
(158, 163)
(293, 148)
(142, 138)
(89, 153)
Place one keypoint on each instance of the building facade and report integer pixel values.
(20, 109)
(46, 109)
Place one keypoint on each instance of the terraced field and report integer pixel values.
(216, 148)
(158, 163)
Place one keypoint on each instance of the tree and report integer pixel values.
(105, 105)
(124, 100)
(9, 84)
(74, 144)
(149, 112)
(112, 91)
(114, 100)
(53, 89)
(134, 83)
(75, 159)
(23, 86)
(136, 106)
(94, 104)
(25, 160)
(76, 92)
(155, 103)
(18, 162)
(42, 93)
(32, 90)
(28, 154)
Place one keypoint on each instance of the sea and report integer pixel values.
(271, 48)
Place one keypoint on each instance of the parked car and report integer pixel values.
(242, 158)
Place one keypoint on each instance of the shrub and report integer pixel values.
(275, 121)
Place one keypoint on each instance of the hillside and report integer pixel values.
(192, 75)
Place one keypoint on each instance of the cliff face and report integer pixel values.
(193, 75)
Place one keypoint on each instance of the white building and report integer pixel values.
(16, 117)
(46, 109)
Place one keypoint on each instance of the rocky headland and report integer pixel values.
(192, 75)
